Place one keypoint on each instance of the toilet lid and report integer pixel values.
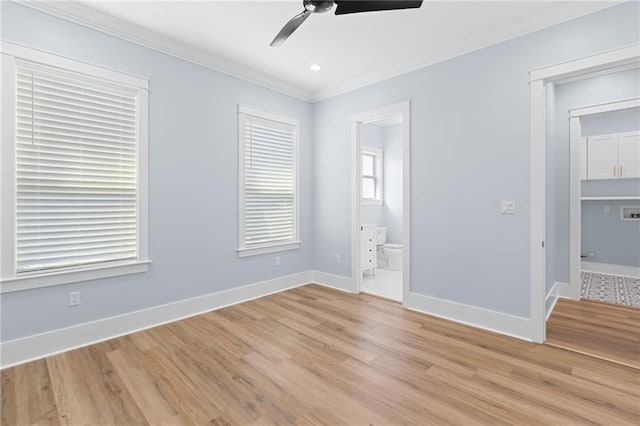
(393, 246)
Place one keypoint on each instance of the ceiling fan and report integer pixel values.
(344, 7)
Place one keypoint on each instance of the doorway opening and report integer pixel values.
(624, 58)
(380, 201)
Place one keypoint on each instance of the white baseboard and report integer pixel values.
(38, 346)
(608, 268)
(553, 295)
(486, 319)
(337, 282)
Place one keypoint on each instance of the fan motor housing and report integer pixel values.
(318, 6)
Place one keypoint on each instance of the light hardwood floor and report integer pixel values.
(318, 356)
(608, 331)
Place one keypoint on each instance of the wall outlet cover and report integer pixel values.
(74, 298)
(508, 207)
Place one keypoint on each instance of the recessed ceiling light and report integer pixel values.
(315, 67)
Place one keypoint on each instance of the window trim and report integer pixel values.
(242, 250)
(378, 175)
(10, 280)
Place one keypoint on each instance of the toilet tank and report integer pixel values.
(381, 235)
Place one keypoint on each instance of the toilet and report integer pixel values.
(389, 254)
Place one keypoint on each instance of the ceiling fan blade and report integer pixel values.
(357, 6)
(289, 28)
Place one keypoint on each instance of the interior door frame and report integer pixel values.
(575, 185)
(607, 62)
(402, 108)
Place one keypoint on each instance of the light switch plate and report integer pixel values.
(508, 207)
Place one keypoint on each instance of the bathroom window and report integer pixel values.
(268, 177)
(372, 175)
(74, 154)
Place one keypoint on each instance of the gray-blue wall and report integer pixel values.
(192, 181)
(562, 98)
(469, 151)
(613, 240)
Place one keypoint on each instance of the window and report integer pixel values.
(76, 152)
(372, 175)
(268, 176)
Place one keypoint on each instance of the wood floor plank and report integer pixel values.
(604, 330)
(317, 356)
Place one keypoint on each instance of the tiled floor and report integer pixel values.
(610, 289)
(385, 283)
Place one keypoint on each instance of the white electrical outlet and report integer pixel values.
(508, 207)
(278, 261)
(337, 258)
(74, 298)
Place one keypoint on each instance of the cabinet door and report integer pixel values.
(629, 155)
(602, 157)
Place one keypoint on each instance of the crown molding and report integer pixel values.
(91, 18)
(96, 20)
(548, 17)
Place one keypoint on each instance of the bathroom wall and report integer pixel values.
(392, 137)
(389, 213)
(562, 98)
(371, 135)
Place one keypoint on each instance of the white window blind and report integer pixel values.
(268, 182)
(76, 170)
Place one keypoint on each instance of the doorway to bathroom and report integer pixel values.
(380, 204)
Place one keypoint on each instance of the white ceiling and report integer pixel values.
(358, 49)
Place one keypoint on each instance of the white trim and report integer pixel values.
(66, 63)
(575, 216)
(586, 66)
(38, 346)
(608, 107)
(402, 109)
(337, 282)
(538, 211)
(266, 115)
(8, 185)
(96, 20)
(271, 248)
(486, 319)
(86, 273)
(629, 197)
(11, 55)
(289, 122)
(559, 13)
(611, 269)
(552, 298)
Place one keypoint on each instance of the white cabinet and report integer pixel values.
(629, 155)
(613, 156)
(602, 156)
(368, 259)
